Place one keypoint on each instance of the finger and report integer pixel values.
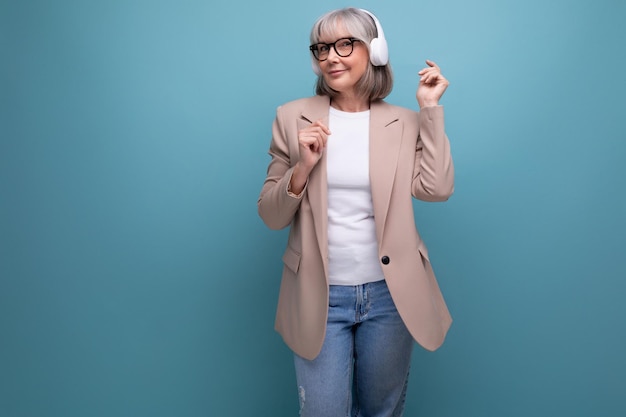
(323, 132)
(312, 140)
(433, 76)
(430, 78)
(428, 71)
(313, 146)
(431, 64)
(317, 143)
(314, 131)
(319, 138)
(322, 125)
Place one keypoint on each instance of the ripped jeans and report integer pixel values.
(363, 368)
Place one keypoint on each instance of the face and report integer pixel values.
(342, 73)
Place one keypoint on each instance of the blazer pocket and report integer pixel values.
(291, 259)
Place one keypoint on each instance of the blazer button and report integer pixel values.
(385, 260)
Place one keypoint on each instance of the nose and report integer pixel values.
(332, 54)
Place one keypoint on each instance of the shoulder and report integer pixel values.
(309, 108)
(387, 113)
(401, 111)
(303, 104)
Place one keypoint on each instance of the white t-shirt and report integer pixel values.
(352, 244)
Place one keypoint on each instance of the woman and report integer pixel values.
(357, 285)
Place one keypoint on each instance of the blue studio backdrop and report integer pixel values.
(136, 279)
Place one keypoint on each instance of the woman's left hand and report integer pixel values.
(432, 85)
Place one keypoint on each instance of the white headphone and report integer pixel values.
(379, 53)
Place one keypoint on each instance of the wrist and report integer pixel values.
(428, 103)
(298, 179)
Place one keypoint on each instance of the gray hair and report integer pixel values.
(377, 82)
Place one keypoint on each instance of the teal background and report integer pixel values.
(136, 278)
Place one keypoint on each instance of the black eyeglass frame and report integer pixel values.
(334, 45)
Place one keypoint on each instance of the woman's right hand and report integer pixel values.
(312, 141)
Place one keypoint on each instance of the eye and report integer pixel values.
(322, 47)
(344, 43)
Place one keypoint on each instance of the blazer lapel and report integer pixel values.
(385, 141)
(317, 188)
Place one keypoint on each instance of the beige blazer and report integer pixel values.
(409, 156)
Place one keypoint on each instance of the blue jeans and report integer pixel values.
(363, 368)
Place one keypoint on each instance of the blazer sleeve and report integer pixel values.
(433, 172)
(276, 205)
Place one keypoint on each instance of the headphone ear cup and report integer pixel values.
(379, 53)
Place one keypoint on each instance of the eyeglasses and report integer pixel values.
(343, 47)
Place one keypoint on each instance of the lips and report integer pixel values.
(334, 73)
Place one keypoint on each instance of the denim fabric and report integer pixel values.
(363, 368)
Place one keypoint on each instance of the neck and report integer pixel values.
(350, 104)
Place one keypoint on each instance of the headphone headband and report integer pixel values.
(379, 53)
